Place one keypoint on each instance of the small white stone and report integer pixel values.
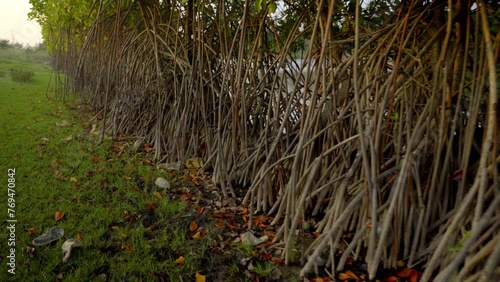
(162, 183)
(249, 238)
(170, 166)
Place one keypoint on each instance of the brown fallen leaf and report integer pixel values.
(31, 231)
(127, 247)
(58, 215)
(193, 226)
(200, 210)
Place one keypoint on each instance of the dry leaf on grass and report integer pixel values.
(193, 226)
(58, 215)
(200, 278)
(180, 260)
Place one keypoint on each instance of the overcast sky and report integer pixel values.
(14, 23)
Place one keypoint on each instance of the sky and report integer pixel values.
(14, 23)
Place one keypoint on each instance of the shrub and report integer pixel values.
(21, 75)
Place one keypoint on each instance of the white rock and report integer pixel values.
(249, 238)
(68, 246)
(162, 183)
(138, 143)
(170, 166)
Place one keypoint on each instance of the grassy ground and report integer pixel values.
(103, 194)
(130, 229)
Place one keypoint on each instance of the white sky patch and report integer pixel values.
(14, 23)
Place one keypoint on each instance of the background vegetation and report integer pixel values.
(380, 120)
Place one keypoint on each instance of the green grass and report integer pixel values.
(105, 191)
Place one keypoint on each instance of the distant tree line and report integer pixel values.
(7, 44)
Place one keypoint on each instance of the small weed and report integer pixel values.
(264, 269)
(245, 249)
(19, 75)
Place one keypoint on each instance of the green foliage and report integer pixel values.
(4, 44)
(20, 75)
(460, 243)
(60, 19)
(28, 54)
(264, 269)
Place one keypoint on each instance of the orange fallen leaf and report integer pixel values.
(79, 236)
(407, 272)
(150, 206)
(348, 275)
(200, 210)
(259, 219)
(58, 215)
(200, 278)
(343, 276)
(127, 247)
(197, 236)
(270, 234)
(267, 256)
(351, 275)
(410, 273)
(391, 279)
(193, 226)
(180, 260)
(232, 227)
(220, 223)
